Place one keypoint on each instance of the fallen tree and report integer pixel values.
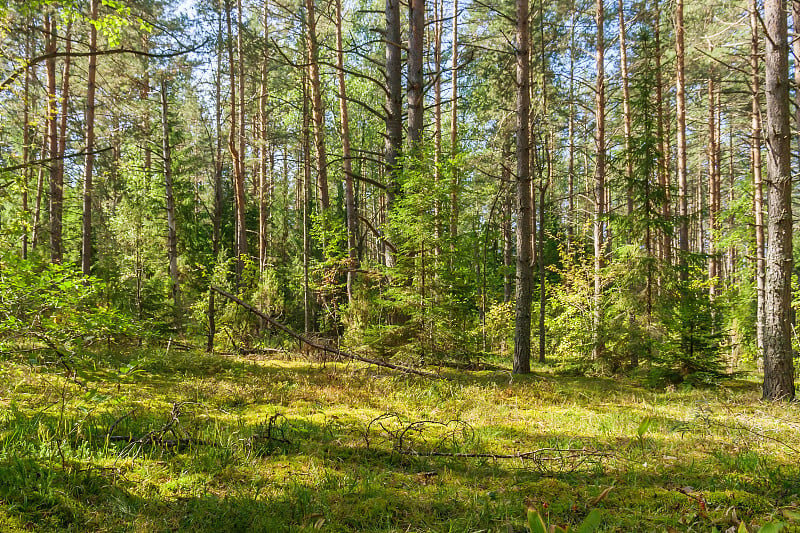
(328, 349)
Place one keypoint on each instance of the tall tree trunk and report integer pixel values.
(522, 321)
(454, 184)
(37, 209)
(144, 95)
(796, 53)
(542, 271)
(318, 116)
(172, 234)
(713, 190)
(663, 159)
(438, 13)
(242, 133)
(778, 365)
(56, 186)
(394, 111)
(236, 162)
(86, 236)
(349, 196)
(508, 235)
(626, 111)
(217, 215)
(571, 135)
(416, 35)
(26, 146)
(756, 167)
(307, 310)
(263, 228)
(598, 345)
(680, 105)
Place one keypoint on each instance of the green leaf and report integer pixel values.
(536, 522)
(772, 527)
(590, 523)
(644, 425)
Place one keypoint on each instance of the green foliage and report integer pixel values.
(537, 524)
(570, 318)
(694, 335)
(58, 305)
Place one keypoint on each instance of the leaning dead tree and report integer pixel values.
(321, 347)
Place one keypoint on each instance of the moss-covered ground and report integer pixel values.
(155, 440)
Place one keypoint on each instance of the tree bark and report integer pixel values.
(263, 223)
(663, 158)
(713, 190)
(522, 322)
(236, 162)
(626, 111)
(318, 116)
(305, 198)
(56, 185)
(571, 135)
(416, 36)
(26, 147)
(598, 344)
(217, 214)
(349, 196)
(394, 111)
(454, 147)
(778, 365)
(680, 105)
(172, 234)
(438, 7)
(86, 235)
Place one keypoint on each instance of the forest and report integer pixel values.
(432, 265)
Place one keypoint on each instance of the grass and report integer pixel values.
(259, 444)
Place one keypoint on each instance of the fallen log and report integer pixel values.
(321, 347)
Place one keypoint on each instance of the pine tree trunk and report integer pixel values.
(263, 228)
(756, 167)
(663, 158)
(172, 234)
(713, 187)
(56, 186)
(778, 365)
(522, 323)
(438, 7)
(306, 200)
(626, 110)
(240, 245)
(571, 218)
(349, 196)
(416, 36)
(217, 215)
(680, 104)
(598, 345)
(318, 116)
(454, 148)
(508, 235)
(86, 236)
(26, 147)
(394, 111)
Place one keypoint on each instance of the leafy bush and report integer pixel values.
(57, 305)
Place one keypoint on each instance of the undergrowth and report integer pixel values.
(159, 440)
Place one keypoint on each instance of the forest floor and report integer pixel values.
(160, 440)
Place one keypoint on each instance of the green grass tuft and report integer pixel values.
(207, 443)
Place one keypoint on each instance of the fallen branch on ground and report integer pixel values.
(157, 436)
(431, 438)
(322, 347)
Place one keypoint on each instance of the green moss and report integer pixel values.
(312, 466)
